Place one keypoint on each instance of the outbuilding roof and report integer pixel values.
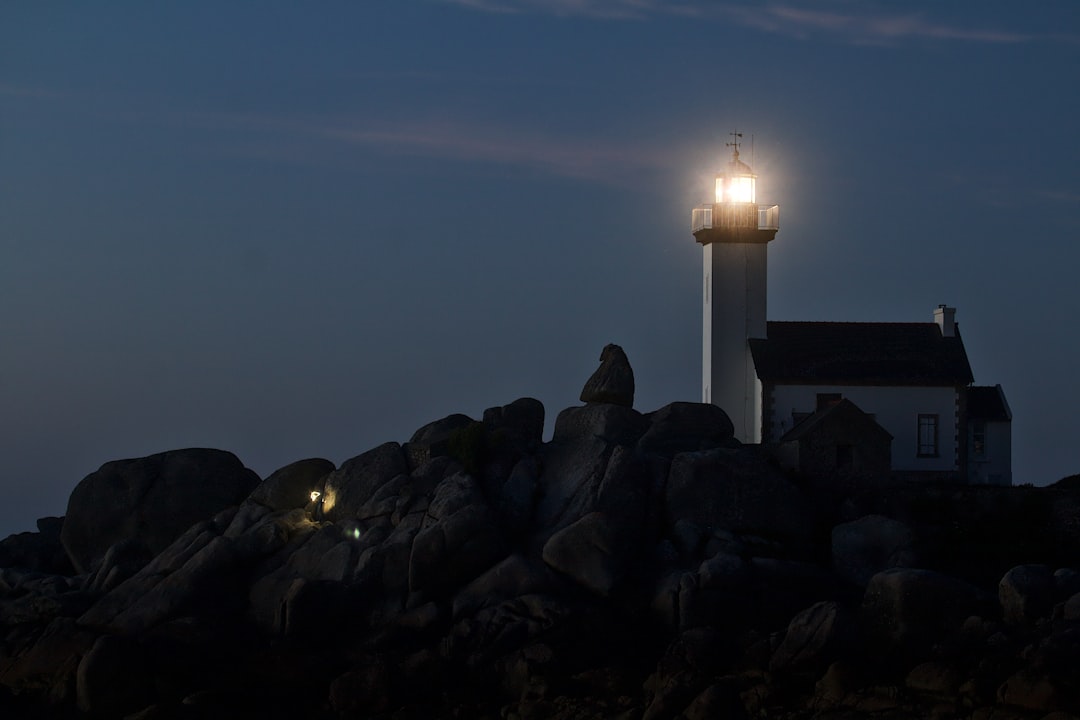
(987, 402)
(845, 412)
(842, 353)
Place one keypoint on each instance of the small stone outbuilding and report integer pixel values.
(838, 442)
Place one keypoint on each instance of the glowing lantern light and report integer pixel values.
(315, 495)
(738, 184)
(735, 215)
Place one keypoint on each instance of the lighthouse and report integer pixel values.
(734, 233)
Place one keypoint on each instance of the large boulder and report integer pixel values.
(905, 611)
(683, 673)
(267, 597)
(864, 547)
(459, 538)
(197, 573)
(736, 490)
(815, 637)
(515, 499)
(41, 551)
(575, 463)
(613, 381)
(509, 433)
(438, 438)
(686, 427)
(1026, 593)
(513, 577)
(120, 562)
(113, 678)
(611, 423)
(349, 487)
(47, 666)
(718, 594)
(594, 551)
(495, 631)
(151, 499)
(521, 423)
(291, 486)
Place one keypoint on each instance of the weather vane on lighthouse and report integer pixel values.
(734, 233)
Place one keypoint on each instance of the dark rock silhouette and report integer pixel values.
(635, 566)
(613, 381)
(151, 500)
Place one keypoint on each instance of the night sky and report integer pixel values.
(293, 230)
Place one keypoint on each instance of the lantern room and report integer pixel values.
(735, 216)
(738, 184)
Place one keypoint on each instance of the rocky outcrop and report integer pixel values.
(41, 550)
(864, 547)
(150, 500)
(736, 489)
(348, 488)
(1026, 593)
(635, 566)
(814, 639)
(292, 486)
(907, 610)
(686, 427)
(458, 538)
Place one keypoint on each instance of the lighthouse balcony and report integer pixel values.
(735, 215)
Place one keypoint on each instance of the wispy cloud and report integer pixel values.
(862, 26)
(613, 9)
(320, 138)
(1068, 196)
(880, 27)
(582, 158)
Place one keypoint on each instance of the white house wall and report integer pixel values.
(894, 408)
(995, 466)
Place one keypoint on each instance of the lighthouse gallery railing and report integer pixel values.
(735, 215)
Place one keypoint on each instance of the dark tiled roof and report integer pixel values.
(986, 402)
(837, 353)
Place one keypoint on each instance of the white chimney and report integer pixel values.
(945, 317)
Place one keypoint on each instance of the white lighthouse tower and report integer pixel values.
(734, 233)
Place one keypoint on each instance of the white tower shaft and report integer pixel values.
(735, 290)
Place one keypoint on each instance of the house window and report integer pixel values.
(978, 439)
(928, 435)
